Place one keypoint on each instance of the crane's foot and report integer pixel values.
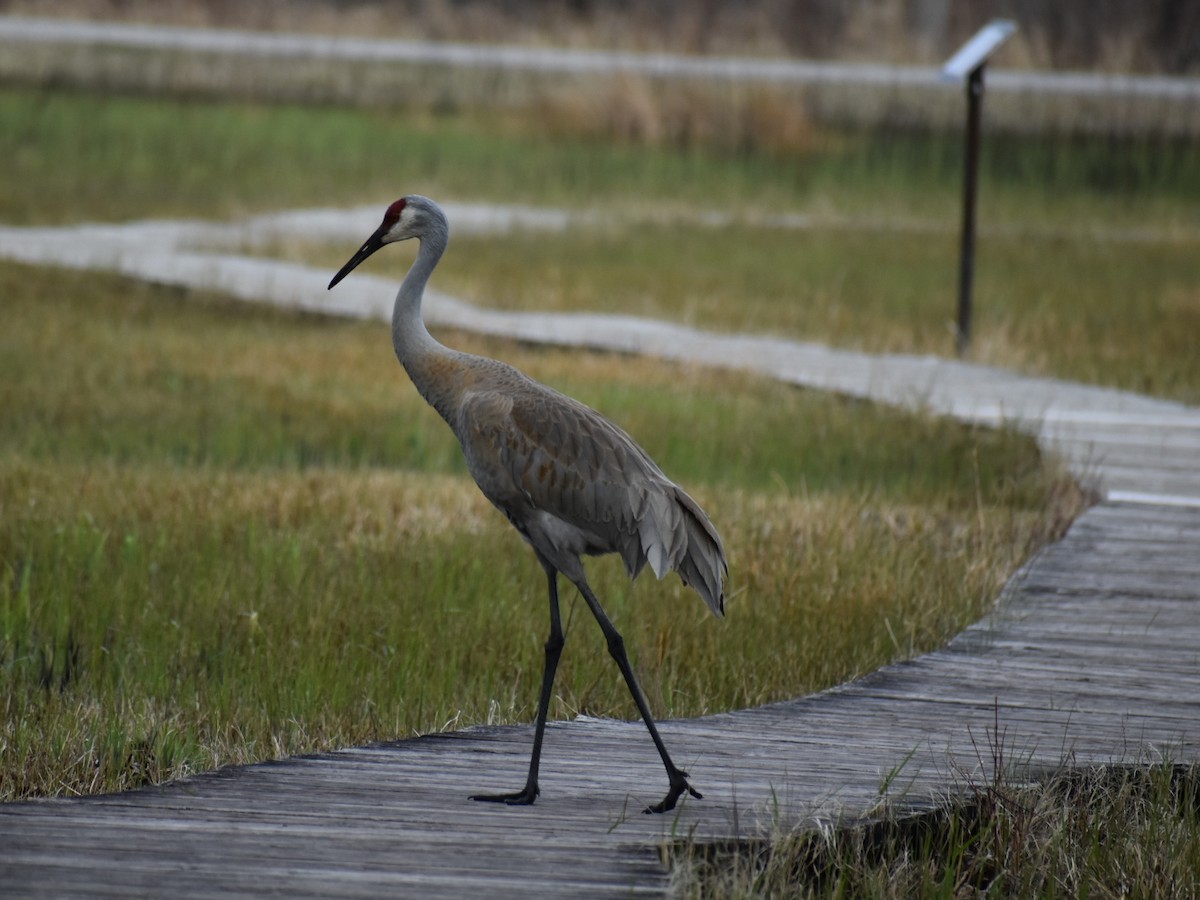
(679, 787)
(523, 797)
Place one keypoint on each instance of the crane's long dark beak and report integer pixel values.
(373, 243)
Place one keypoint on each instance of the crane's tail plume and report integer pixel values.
(703, 565)
(673, 533)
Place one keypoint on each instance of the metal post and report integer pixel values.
(966, 270)
(968, 63)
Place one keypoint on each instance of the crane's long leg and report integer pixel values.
(554, 645)
(616, 647)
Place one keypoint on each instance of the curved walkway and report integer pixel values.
(1093, 656)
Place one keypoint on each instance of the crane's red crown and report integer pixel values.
(393, 213)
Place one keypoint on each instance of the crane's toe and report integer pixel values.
(679, 787)
(523, 797)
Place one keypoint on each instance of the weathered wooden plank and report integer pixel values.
(1058, 610)
(1152, 565)
(1135, 533)
(136, 878)
(1147, 514)
(1083, 695)
(1121, 439)
(1141, 582)
(1175, 460)
(1153, 480)
(1109, 634)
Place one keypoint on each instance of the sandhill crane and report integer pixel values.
(570, 481)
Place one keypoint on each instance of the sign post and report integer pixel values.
(968, 64)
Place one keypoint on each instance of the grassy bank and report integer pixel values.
(1108, 832)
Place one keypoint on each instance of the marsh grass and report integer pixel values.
(230, 533)
(1112, 831)
(155, 157)
(167, 376)
(76, 155)
(1083, 243)
(1063, 305)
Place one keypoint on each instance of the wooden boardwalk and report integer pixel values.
(1093, 656)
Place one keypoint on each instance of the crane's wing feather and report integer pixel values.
(536, 451)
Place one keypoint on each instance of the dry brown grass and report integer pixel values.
(640, 110)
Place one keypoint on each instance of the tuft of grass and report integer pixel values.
(229, 533)
(1112, 831)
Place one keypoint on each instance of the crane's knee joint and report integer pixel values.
(554, 645)
(616, 645)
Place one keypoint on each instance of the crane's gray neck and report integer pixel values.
(433, 368)
(409, 336)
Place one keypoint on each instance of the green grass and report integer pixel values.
(230, 533)
(158, 377)
(1063, 307)
(1105, 832)
(1060, 288)
(75, 155)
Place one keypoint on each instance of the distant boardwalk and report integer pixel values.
(1093, 656)
(380, 72)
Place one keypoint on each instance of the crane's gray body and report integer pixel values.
(573, 483)
(569, 480)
